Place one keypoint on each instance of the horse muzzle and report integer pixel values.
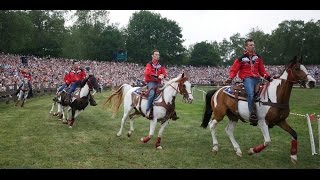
(310, 84)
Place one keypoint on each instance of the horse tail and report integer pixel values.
(208, 109)
(118, 95)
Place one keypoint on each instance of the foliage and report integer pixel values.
(148, 31)
(205, 54)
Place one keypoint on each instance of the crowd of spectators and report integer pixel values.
(49, 72)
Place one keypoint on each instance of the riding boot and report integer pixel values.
(174, 116)
(92, 101)
(150, 113)
(67, 99)
(253, 116)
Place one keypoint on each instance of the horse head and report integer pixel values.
(185, 88)
(298, 73)
(93, 83)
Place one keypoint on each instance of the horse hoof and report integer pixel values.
(70, 127)
(214, 152)
(159, 147)
(118, 134)
(129, 134)
(294, 159)
(251, 152)
(239, 154)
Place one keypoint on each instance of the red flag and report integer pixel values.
(312, 117)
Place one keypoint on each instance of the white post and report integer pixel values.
(313, 148)
(319, 131)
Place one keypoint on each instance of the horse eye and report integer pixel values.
(297, 69)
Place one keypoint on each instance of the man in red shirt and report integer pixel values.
(153, 75)
(249, 68)
(75, 76)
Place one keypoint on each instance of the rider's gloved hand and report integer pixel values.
(227, 81)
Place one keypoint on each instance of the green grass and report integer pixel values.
(30, 138)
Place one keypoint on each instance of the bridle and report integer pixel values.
(180, 89)
(299, 81)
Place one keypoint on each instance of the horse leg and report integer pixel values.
(158, 146)
(212, 126)
(22, 103)
(265, 132)
(294, 142)
(229, 130)
(17, 103)
(52, 107)
(71, 121)
(131, 127)
(153, 124)
(123, 120)
(64, 117)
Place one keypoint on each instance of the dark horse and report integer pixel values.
(23, 93)
(272, 108)
(79, 101)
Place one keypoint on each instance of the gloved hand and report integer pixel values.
(227, 81)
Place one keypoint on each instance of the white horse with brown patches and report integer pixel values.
(163, 105)
(272, 108)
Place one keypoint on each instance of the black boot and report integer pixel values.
(150, 114)
(253, 119)
(67, 99)
(92, 101)
(174, 116)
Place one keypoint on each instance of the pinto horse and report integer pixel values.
(272, 108)
(79, 101)
(164, 104)
(23, 93)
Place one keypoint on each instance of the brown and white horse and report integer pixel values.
(272, 108)
(127, 95)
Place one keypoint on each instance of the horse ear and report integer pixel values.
(295, 58)
(301, 59)
(182, 75)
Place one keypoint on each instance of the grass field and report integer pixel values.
(31, 138)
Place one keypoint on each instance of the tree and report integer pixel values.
(204, 54)
(148, 31)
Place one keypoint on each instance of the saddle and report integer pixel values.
(142, 93)
(238, 91)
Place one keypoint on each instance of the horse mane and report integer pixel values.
(167, 83)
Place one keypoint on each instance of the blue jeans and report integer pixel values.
(62, 87)
(250, 84)
(73, 86)
(151, 86)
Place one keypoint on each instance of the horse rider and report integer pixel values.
(249, 67)
(24, 73)
(75, 77)
(61, 88)
(153, 75)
